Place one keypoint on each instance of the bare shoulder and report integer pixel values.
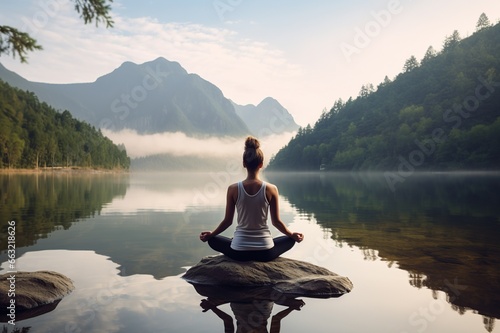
(271, 186)
(232, 192)
(233, 188)
(271, 190)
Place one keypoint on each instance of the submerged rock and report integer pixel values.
(33, 289)
(285, 275)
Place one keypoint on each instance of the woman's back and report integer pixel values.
(252, 231)
(252, 207)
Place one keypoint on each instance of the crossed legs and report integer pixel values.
(223, 244)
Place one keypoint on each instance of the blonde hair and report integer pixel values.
(253, 155)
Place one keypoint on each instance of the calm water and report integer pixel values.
(424, 258)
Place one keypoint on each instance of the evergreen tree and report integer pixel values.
(451, 41)
(483, 22)
(410, 64)
(337, 106)
(429, 54)
(366, 90)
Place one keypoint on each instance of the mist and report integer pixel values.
(179, 144)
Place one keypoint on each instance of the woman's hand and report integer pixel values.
(205, 235)
(207, 305)
(298, 237)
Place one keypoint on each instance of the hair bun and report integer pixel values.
(252, 142)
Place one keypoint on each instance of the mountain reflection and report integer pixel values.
(442, 228)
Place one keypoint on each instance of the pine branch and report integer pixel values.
(13, 41)
(97, 10)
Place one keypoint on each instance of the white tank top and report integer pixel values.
(252, 231)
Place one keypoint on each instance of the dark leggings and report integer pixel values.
(223, 244)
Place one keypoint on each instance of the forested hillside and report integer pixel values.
(33, 134)
(441, 113)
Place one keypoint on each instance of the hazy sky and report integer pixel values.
(306, 54)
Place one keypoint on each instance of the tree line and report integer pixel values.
(439, 113)
(33, 135)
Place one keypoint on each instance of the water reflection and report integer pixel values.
(140, 231)
(145, 222)
(179, 192)
(43, 202)
(251, 307)
(443, 229)
(106, 302)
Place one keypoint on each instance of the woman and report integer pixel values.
(252, 198)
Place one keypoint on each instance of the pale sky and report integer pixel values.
(306, 54)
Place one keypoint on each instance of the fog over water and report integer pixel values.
(179, 144)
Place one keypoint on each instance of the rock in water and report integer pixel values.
(33, 289)
(288, 276)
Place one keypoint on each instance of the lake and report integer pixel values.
(423, 256)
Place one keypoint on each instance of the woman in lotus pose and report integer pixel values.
(253, 198)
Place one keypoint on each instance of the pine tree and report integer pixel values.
(483, 22)
(429, 54)
(366, 89)
(410, 64)
(451, 41)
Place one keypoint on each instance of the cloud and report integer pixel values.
(179, 144)
(219, 55)
(246, 70)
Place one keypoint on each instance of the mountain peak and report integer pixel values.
(270, 102)
(266, 114)
(159, 64)
(172, 66)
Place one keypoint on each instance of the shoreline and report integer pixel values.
(62, 170)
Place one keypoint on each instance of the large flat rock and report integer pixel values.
(33, 289)
(285, 275)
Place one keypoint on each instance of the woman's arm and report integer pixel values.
(273, 197)
(206, 304)
(231, 197)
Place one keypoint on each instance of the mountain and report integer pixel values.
(442, 113)
(154, 97)
(268, 117)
